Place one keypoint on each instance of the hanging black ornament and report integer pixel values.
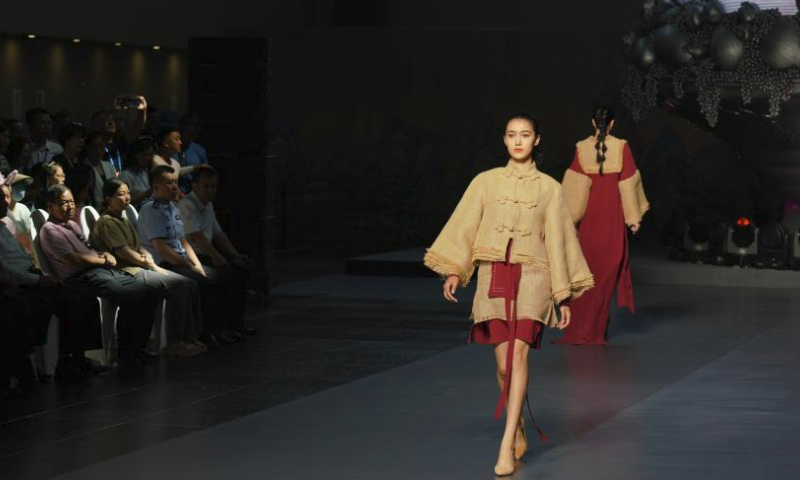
(670, 46)
(726, 50)
(697, 49)
(714, 10)
(694, 16)
(743, 31)
(667, 16)
(643, 53)
(748, 12)
(780, 47)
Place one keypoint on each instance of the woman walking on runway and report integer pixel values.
(603, 190)
(513, 224)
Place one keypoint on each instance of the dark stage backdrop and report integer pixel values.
(377, 133)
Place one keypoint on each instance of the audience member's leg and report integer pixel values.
(209, 299)
(137, 304)
(183, 310)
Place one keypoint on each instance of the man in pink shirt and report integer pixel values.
(74, 262)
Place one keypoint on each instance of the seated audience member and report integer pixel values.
(43, 295)
(114, 233)
(17, 218)
(71, 137)
(161, 233)
(138, 160)
(19, 154)
(40, 127)
(74, 263)
(49, 174)
(16, 128)
(60, 120)
(80, 182)
(169, 146)
(94, 151)
(212, 245)
(5, 141)
(193, 153)
(105, 123)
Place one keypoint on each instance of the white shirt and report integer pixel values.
(44, 154)
(198, 217)
(19, 217)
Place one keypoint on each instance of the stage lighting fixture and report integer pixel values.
(704, 241)
(31, 37)
(794, 251)
(741, 245)
(773, 247)
(76, 40)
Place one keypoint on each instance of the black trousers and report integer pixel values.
(137, 305)
(222, 308)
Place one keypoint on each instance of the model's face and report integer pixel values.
(206, 188)
(57, 178)
(5, 200)
(63, 209)
(145, 158)
(520, 139)
(165, 188)
(118, 202)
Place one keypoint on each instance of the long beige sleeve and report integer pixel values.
(569, 273)
(576, 188)
(634, 201)
(451, 253)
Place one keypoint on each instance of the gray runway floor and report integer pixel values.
(702, 383)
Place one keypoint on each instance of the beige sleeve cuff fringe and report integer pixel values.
(569, 273)
(634, 201)
(451, 253)
(576, 188)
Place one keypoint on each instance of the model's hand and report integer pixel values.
(635, 227)
(109, 259)
(450, 286)
(566, 316)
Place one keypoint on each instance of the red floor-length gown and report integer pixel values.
(604, 242)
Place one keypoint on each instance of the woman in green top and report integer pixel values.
(114, 233)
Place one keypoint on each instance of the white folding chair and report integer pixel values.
(132, 215)
(108, 310)
(88, 217)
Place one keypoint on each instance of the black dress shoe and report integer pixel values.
(211, 341)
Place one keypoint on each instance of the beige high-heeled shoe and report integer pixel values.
(503, 471)
(520, 440)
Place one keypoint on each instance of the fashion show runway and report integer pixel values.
(701, 383)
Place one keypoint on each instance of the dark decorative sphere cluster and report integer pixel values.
(698, 41)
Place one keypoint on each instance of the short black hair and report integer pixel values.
(164, 133)
(157, 172)
(33, 113)
(71, 130)
(207, 171)
(111, 186)
(55, 191)
(139, 145)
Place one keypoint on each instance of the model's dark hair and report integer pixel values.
(534, 123)
(138, 146)
(55, 191)
(71, 130)
(603, 116)
(157, 172)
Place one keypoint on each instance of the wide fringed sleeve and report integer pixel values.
(631, 190)
(569, 273)
(451, 253)
(576, 188)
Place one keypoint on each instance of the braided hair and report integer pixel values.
(603, 116)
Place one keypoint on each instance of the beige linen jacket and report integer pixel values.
(577, 185)
(519, 202)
